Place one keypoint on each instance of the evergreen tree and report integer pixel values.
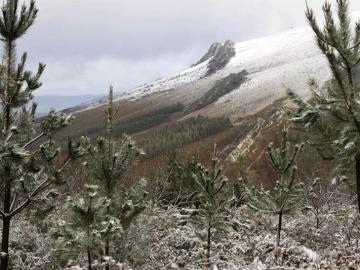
(84, 226)
(333, 114)
(213, 213)
(107, 162)
(240, 184)
(288, 193)
(27, 171)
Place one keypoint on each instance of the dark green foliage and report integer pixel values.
(333, 113)
(147, 121)
(139, 123)
(183, 132)
(221, 88)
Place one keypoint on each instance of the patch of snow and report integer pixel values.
(310, 253)
(258, 265)
(272, 50)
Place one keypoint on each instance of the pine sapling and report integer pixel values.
(82, 231)
(288, 192)
(213, 213)
(107, 162)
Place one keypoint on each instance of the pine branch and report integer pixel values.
(40, 188)
(38, 137)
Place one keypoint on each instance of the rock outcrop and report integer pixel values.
(213, 50)
(219, 55)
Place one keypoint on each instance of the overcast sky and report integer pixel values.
(88, 44)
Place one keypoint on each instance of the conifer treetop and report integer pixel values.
(14, 24)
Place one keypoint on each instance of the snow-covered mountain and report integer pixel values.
(273, 64)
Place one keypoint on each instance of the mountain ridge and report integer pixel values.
(273, 63)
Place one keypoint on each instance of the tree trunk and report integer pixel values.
(357, 160)
(107, 241)
(279, 229)
(89, 259)
(208, 245)
(4, 256)
(107, 253)
(4, 261)
(88, 238)
(317, 223)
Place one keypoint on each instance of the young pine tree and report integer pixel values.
(107, 162)
(333, 114)
(239, 184)
(82, 231)
(27, 171)
(288, 193)
(213, 213)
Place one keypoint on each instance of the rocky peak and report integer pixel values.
(220, 55)
(212, 51)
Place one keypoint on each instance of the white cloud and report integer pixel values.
(94, 76)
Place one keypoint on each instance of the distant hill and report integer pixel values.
(57, 102)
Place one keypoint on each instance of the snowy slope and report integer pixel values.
(274, 63)
(187, 76)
